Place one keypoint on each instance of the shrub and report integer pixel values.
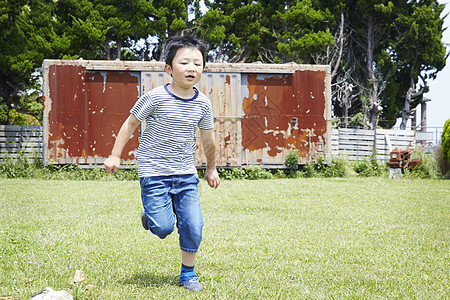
(127, 174)
(292, 159)
(18, 167)
(428, 168)
(338, 168)
(321, 165)
(238, 173)
(445, 141)
(254, 173)
(280, 174)
(21, 167)
(234, 173)
(74, 172)
(308, 171)
(369, 167)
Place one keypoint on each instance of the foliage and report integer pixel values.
(292, 159)
(27, 36)
(17, 118)
(31, 104)
(234, 173)
(3, 112)
(369, 167)
(254, 173)
(420, 53)
(266, 31)
(337, 168)
(443, 165)
(74, 172)
(280, 174)
(309, 171)
(445, 141)
(302, 32)
(365, 168)
(386, 52)
(32, 30)
(443, 157)
(427, 169)
(21, 167)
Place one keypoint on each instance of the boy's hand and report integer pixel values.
(112, 164)
(212, 177)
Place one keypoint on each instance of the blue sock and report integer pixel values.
(187, 271)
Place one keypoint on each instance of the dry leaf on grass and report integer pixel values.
(79, 277)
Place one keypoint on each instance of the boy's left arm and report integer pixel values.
(209, 146)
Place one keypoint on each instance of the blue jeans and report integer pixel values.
(167, 197)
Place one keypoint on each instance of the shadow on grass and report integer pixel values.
(146, 280)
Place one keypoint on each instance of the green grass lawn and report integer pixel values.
(351, 238)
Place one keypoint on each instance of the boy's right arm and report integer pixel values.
(112, 163)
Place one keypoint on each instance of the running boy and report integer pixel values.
(165, 155)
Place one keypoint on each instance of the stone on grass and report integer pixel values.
(50, 294)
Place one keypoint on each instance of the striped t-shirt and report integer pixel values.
(167, 145)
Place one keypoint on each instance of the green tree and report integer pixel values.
(381, 52)
(236, 30)
(173, 21)
(267, 31)
(419, 51)
(83, 26)
(370, 22)
(390, 50)
(302, 32)
(27, 36)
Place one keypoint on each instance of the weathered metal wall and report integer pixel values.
(83, 112)
(224, 90)
(261, 111)
(283, 112)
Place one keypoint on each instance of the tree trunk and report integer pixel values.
(345, 109)
(373, 82)
(341, 45)
(108, 48)
(219, 53)
(406, 112)
(147, 51)
(119, 49)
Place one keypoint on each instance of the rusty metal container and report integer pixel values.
(261, 110)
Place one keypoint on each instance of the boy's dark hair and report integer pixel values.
(180, 42)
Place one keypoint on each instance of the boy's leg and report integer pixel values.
(157, 203)
(186, 204)
(188, 258)
(187, 208)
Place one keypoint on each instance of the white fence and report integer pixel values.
(16, 138)
(358, 144)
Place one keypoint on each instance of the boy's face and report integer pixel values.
(187, 68)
